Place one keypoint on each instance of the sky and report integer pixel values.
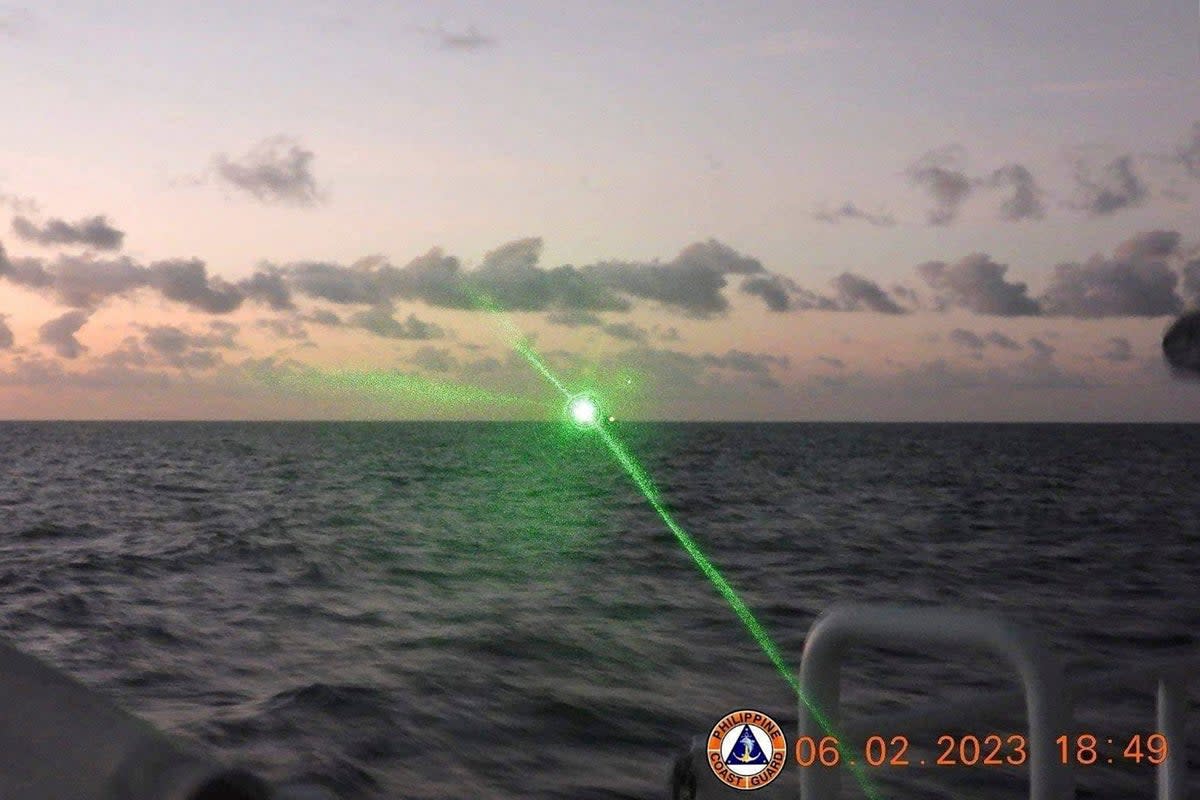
(950, 211)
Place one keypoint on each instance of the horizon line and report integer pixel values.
(415, 420)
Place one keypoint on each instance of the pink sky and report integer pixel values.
(728, 213)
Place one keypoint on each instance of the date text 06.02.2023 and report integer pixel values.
(989, 750)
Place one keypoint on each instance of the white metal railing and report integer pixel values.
(1046, 697)
(1045, 692)
(845, 625)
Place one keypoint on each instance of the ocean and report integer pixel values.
(436, 610)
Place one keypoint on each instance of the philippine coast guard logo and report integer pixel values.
(746, 749)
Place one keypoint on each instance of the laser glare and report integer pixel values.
(584, 411)
(642, 480)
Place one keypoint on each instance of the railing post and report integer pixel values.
(841, 626)
(1171, 778)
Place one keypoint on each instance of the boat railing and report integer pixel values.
(1046, 697)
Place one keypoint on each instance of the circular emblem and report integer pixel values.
(746, 749)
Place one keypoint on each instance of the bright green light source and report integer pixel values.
(584, 411)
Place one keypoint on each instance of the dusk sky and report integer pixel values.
(753, 210)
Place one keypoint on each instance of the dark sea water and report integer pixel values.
(492, 610)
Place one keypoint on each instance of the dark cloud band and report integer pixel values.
(94, 232)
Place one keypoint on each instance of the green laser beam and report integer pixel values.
(387, 384)
(642, 478)
(645, 484)
(517, 339)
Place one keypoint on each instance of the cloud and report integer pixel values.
(1026, 199)
(93, 232)
(221, 334)
(850, 211)
(1149, 246)
(1139, 279)
(978, 284)
(1191, 281)
(1119, 349)
(187, 281)
(775, 290)
(940, 174)
(488, 365)
(335, 283)
(18, 204)
(965, 338)
(666, 334)
(574, 318)
(379, 321)
(323, 316)
(269, 286)
(1116, 187)
(1136, 282)
(1181, 345)
(1003, 342)
(858, 294)
(6, 334)
(84, 282)
(107, 376)
(285, 328)
(514, 258)
(852, 293)
(1037, 372)
(976, 344)
(669, 368)
(27, 272)
(511, 277)
(626, 331)
(167, 340)
(129, 354)
(933, 379)
(675, 370)
(276, 170)
(469, 40)
(1041, 350)
(59, 334)
(438, 279)
(756, 365)
(691, 282)
(1189, 153)
(741, 361)
(434, 359)
(907, 295)
(187, 349)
